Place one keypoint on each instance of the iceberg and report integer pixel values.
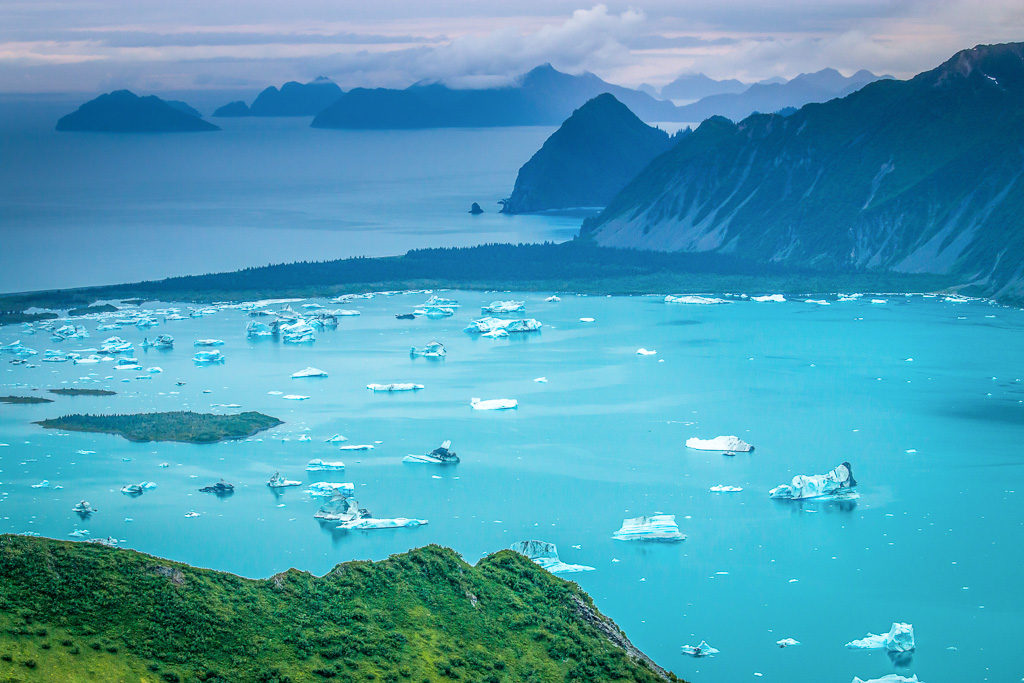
(357, 447)
(701, 650)
(331, 489)
(84, 509)
(370, 523)
(441, 301)
(208, 357)
(839, 483)
(336, 438)
(434, 349)
(819, 302)
(645, 352)
(653, 528)
(787, 642)
(44, 484)
(221, 488)
(888, 678)
(489, 324)
(208, 342)
(279, 482)
(399, 386)
(257, 329)
(299, 332)
(699, 300)
(324, 465)
(778, 298)
(546, 555)
(900, 638)
(308, 371)
(499, 307)
(720, 443)
(439, 456)
(137, 489)
(341, 508)
(553, 299)
(163, 341)
(295, 397)
(496, 334)
(722, 488)
(494, 403)
(587, 320)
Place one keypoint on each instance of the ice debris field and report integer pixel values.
(689, 460)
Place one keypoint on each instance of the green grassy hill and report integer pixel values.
(86, 612)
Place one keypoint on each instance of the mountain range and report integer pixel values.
(917, 176)
(292, 99)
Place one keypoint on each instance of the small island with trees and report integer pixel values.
(183, 426)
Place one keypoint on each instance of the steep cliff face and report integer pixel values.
(588, 159)
(925, 175)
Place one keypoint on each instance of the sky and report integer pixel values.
(165, 45)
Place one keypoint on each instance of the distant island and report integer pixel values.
(292, 99)
(424, 615)
(122, 111)
(75, 391)
(182, 426)
(585, 163)
(24, 400)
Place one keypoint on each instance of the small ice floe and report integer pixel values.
(587, 320)
(701, 650)
(839, 483)
(324, 466)
(645, 352)
(504, 307)
(208, 342)
(553, 299)
(279, 482)
(308, 371)
(221, 488)
(164, 464)
(546, 555)
(722, 488)
(357, 447)
(79, 533)
(154, 370)
(439, 456)
(336, 439)
(688, 299)
(191, 515)
(541, 380)
(778, 298)
(888, 678)
(879, 301)
(295, 397)
(329, 489)
(84, 452)
(208, 357)
(787, 642)
(493, 403)
(900, 638)
(137, 489)
(719, 443)
(84, 508)
(820, 302)
(434, 349)
(488, 325)
(652, 528)
(44, 484)
(371, 523)
(398, 386)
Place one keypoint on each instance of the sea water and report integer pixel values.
(923, 396)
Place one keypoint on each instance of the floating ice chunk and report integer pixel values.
(900, 638)
(399, 386)
(279, 482)
(208, 342)
(346, 312)
(494, 403)
(84, 509)
(79, 533)
(329, 489)
(541, 380)
(546, 555)
(553, 299)
(324, 465)
(434, 349)
(137, 489)
(370, 523)
(587, 320)
(257, 329)
(44, 484)
(298, 332)
(719, 443)
(888, 678)
(308, 371)
(439, 456)
(357, 447)
(155, 370)
(701, 650)
(722, 488)
(499, 307)
(336, 438)
(295, 397)
(778, 298)
(879, 301)
(489, 324)
(191, 515)
(689, 299)
(653, 528)
(645, 352)
(208, 357)
(820, 302)
(787, 642)
(839, 483)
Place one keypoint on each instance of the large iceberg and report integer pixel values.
(900, 638)
(298, 332)
(493, 403)
(398, 386)
(700, 300)
(719, 443)
(341, 508)
(309, 371)
(546, 555)
(653, 528)
(839, 483)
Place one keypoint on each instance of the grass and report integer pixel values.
(424, 615)
(183, 426)
(24, 400)
(82, 392)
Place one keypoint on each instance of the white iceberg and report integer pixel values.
(699, 300)
(645, 352)
(495, 334)
(546, 555)
(439, 456)
(489, 324)
(434, 349)
(398, 386)
(370, 523)
(336, 438)
(137, 489)
(309, 371)
(652, 528)
(298, 332)
(719, 443)
(900, 638)
(357, 447)
(279, 482)
(44, 484)
(553, 299)
(330, 489)
(839, 483)
(208, 357)
(324, 465)
(257, 329)
(494, 403)
(499, 307)
(587, 320)
(208, 342)
(778, 298)
(722, 488)
(888, 678)
(787, 642)
(701, 650)
(820, 302)
(295, 397)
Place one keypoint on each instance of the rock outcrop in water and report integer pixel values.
(122, 111)
(592, 156)
(917, 176)
(292, 99)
